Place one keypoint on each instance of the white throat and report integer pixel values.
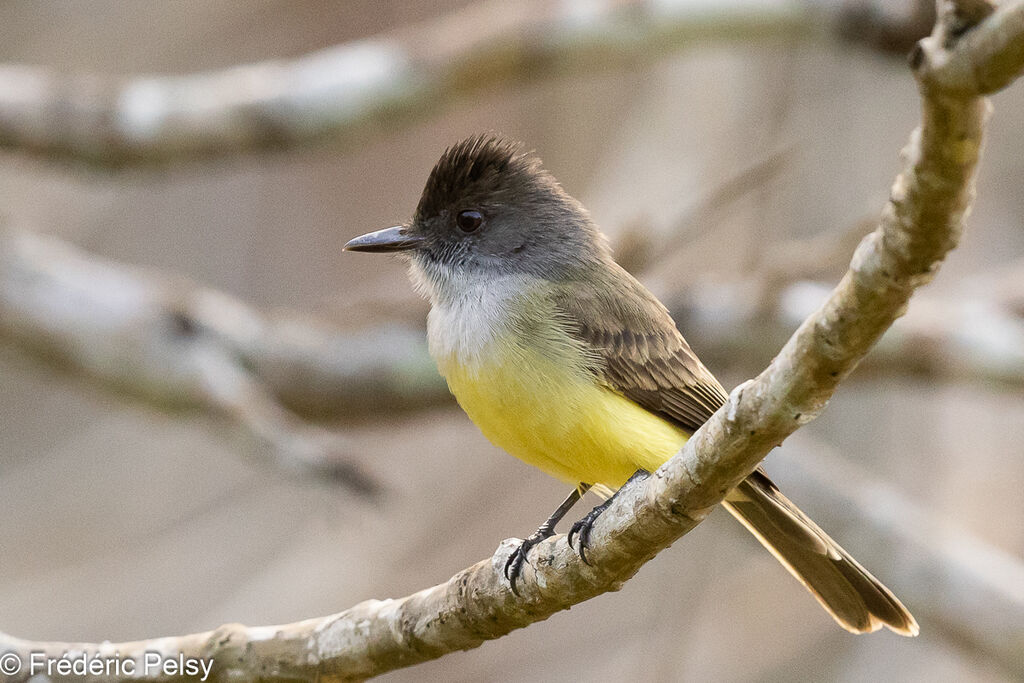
(468, 309)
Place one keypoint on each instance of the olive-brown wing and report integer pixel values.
(638, 352)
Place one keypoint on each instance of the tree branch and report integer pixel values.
(919, 225)
(350, 88)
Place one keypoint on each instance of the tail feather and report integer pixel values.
(855, 599)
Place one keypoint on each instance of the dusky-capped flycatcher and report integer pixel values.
(567, 362)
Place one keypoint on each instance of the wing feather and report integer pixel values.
(638, 351)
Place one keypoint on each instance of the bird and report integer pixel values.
(566, 361)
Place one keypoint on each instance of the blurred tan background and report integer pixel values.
(121, 520)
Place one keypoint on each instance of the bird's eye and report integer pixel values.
(469, 220)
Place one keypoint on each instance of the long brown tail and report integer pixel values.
(855, 599)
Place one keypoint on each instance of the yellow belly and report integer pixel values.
(555, 417)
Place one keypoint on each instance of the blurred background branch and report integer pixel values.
(974, 334)
(927, 553)
(352, 89)
(892, 27)
(169, 341)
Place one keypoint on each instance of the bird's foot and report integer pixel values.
(515, 561)
(581, 530)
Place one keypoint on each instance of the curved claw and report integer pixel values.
(575, 529)
(514, 563)
(581, 530)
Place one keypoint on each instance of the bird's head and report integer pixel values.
(490, 209)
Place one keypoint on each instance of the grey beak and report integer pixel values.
(388, 239)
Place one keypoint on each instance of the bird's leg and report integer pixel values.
(545, 530)
(581, 529)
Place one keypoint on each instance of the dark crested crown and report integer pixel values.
(483, 167)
